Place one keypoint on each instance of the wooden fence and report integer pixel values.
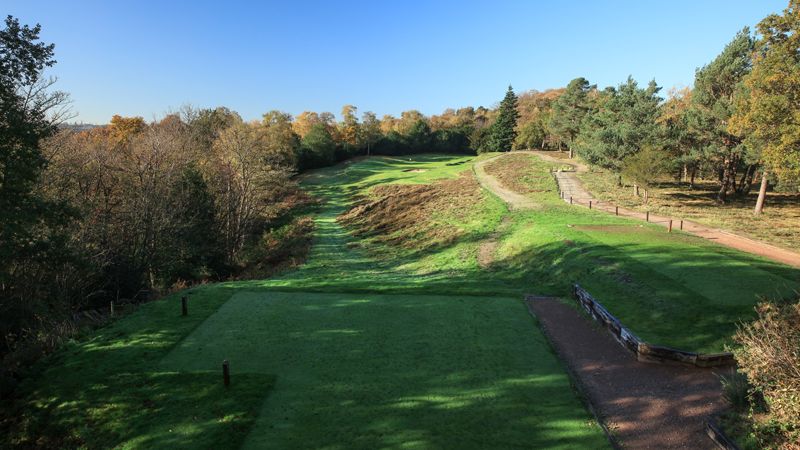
(644, 351)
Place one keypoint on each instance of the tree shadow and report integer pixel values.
(376, 371)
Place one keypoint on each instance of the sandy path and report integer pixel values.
(515, 200)
(571, 186)
(644, 405)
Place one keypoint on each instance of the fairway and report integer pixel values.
(399, 339)
(386, 371)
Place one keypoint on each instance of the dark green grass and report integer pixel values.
(672, 289)
(109, 391)
(385, 371)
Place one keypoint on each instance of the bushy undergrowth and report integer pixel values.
(283, 247)
(769, 354)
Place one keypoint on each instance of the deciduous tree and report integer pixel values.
(768, 109)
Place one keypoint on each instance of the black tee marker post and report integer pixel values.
(226, 373)
(184, 306)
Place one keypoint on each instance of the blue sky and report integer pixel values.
(147, 58)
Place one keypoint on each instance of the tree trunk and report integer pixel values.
(646, 196)
(685, 173)
(726, 179)
(691, 179)
(636, 190)
(746, 182)
(571, 153)
(762, 193)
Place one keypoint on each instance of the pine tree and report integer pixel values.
(569, 110)
(504, 130)
(624, 124)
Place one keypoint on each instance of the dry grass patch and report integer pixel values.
(520, 173)
(415, 215)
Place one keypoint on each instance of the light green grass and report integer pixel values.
(385, 371)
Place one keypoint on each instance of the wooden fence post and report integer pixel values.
(616, 210)
(226, 373)
(647, 216)
(590, 204)
(681, 224)
(670, 225)
(570, 199)
(184, 307)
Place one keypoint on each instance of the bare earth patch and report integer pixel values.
(492, 184)
(486, 253)
(415, 170)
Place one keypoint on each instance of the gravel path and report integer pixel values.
(644, 405)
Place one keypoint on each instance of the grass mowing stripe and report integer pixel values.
(377, 371)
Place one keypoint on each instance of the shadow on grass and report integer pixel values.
(108, 390)
(655, 282)
(377, 371)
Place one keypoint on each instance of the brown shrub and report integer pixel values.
(518, 172)
(279, 249)
(410, 215)
(770, 357)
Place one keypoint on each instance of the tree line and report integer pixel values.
(738, 124)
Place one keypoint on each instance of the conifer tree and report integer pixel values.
(504, 130)
(569, 110)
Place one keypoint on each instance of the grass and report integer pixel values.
(403, 341)
(109, 390)
(779, 224)
(380, 371)
(360, 366)
(672, 289)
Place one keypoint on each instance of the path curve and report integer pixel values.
(572, 187)
(643, 405)
(515, 200)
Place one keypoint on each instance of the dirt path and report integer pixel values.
(643, 405)
(486, 253)
(571, 186)
(515, 200)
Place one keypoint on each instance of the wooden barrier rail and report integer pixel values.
(644, 351)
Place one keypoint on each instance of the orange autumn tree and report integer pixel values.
(768, 107)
